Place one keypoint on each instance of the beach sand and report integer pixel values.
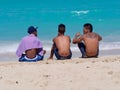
(101, 73)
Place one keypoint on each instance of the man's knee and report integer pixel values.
(81, 45)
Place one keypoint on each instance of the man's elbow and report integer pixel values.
(100, 39)
(74, 42)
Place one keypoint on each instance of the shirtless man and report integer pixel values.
(89, 42)
(30, 48)
(61, 45)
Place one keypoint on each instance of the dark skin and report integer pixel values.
(31, 53)
(91, 41)
(62, 43)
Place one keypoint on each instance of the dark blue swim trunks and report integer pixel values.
(25, 59)
(62, 57)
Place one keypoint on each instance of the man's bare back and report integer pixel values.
(91, 41)
(63, 45)
(31, 53)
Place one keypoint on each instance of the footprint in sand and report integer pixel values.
(116, 82)
(110, 72)
(46, 76)
(47, 62)
(1, 77)
(77, 63)
(88, 67)
(17, 82)
(93, 61)
(106, 61)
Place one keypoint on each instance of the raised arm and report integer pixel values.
(78, 40)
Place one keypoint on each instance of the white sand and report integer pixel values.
(77, 74)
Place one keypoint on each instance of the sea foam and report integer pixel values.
(79, 12)
(12, 47)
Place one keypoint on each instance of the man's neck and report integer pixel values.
(33, 34)
(60, 34)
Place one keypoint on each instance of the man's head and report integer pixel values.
(61, 29)
(32, 30)
(87, 28)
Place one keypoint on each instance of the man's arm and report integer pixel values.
(99, 37)
(52, 51)
(20, 48)
(69, 38)
(78, 40)
(41, 50)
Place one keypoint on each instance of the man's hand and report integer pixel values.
(78, 38)
(77, 35)
(44, 51)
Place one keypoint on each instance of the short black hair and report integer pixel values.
(61, 28)
(32, 29)
(88, 26)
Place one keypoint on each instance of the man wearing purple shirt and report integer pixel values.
(30, 49)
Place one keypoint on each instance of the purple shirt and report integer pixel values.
(29, 42)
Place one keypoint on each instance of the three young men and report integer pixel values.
(30, 48)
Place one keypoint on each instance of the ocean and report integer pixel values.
(17, 15)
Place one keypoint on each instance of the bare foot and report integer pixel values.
(44, 51)
(50, 58)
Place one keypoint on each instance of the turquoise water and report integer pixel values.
(17, 15)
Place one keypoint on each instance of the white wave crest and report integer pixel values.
(11, 47)
(78, 13)
(8, 47)
(109, 45)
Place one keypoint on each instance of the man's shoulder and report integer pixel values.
(95, 34)
(55, 38)
(30, 37)
(25, 37)
(67, 36)
(92, 33)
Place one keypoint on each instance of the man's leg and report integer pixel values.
(22, 58)
(56, 54)
(39, 58)
(59, 57)
(69, 57)
(52, 52)
(81, 46)
(97, 53)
